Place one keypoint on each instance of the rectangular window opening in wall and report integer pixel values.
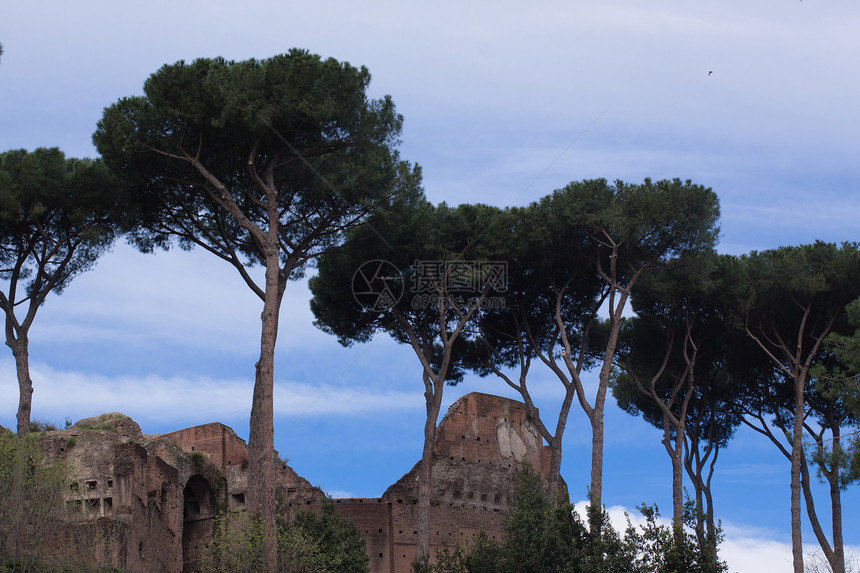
(456, 494)
(109, 484)
(91, 485)
(496, 498)
(93, 505)
(238, 500)
(471, 495)
(483, 497)
(380, 531)
(74, 487)
(108, 507)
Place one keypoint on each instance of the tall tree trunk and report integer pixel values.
(21, 352)
(700, 514)
(554, 489)
(674, 447)
(838, 563)
(796, 454)
(709, 515)
(554, 485)
(434, 403)
(596, 413)
(596, 492)
(261, 444)
(835, 555)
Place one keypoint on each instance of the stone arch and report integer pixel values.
(198, 520)
(198, 499)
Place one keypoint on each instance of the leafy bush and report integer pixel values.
(42, 426)
(197, 458)
(546, 537)
(324, 542)
(31, 501)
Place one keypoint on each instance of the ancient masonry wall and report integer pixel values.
(149, 502)
(480, 445)
(127, 498)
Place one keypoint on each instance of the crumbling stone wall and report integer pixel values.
(147, 503)
(122, 500)
(480, 444)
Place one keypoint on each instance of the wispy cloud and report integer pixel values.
(185, 401)
(186, 298)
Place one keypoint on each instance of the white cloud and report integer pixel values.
(181, 298)
(185, 401)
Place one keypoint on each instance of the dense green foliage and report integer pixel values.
(31, 503)
(213, 143)
(323, 543)
(542, 536)
(55, 219)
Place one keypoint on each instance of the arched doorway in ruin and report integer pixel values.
(198, 520)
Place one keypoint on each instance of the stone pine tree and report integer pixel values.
(596, 242)
(547, 267)
(422, 274)
(842, 372)
(791, 300)
(840, 377)
(671, 370)
(259, 162)
(57, 215)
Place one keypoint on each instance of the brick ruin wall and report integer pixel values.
(150, 501)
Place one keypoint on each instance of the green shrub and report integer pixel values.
(545, 537)
(324, 542)
(197, 458)
(31, 501)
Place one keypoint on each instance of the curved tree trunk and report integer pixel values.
(554, 487)
(674, 447)
(838, 563)
(554, 482)
(835, 555)
(21, 352)
(709, 515)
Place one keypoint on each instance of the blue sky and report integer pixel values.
(503, 103)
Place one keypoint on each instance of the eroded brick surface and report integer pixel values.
(148, 503)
